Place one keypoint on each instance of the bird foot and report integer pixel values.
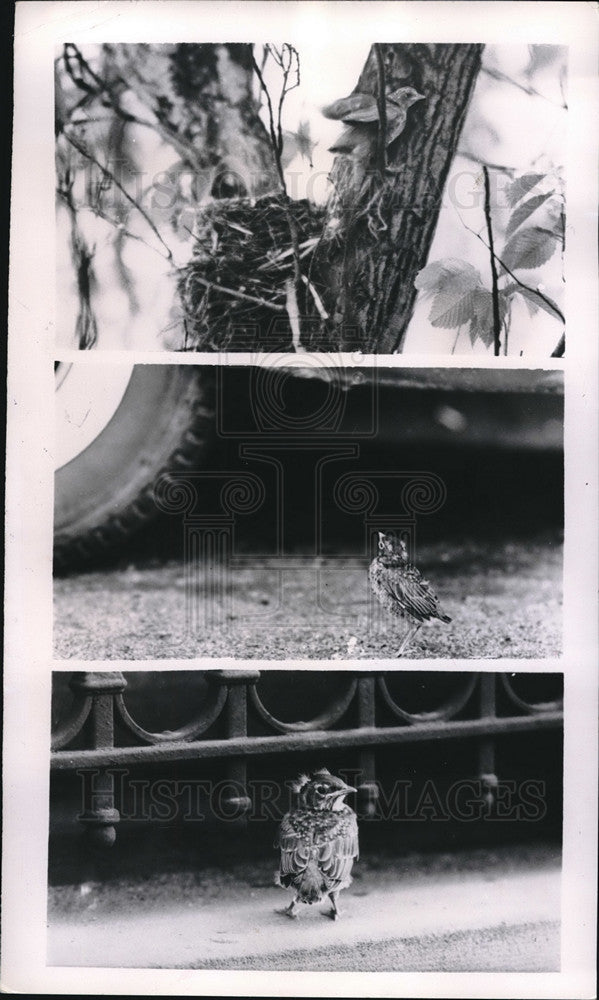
(287, 912)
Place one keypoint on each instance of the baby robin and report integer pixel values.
(318, 842)
(401, 589)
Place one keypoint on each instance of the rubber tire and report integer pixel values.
(164, 423)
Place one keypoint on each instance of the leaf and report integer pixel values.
(521, 186)
(356, 107)
(529, 248)
(452, 283)
(442, 274)
(531, 304)
(482, 323)
(541, 56)
(524, 210)
(298, 142)
(541, 301)
(449, 315)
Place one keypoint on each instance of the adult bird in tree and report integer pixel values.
(318, 842)
(400, 588)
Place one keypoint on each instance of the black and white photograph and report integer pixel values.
(308, 512)
(300, 820)
(386, 198)
(301, 500)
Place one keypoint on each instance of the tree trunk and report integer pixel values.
(201, 97)
(382, 216)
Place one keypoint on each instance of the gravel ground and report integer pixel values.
(505, 601)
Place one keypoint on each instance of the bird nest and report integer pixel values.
(235, 289)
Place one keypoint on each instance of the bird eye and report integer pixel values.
(321, 789)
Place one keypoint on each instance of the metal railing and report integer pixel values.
(362, 714)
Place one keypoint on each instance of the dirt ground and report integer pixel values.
(505, 601)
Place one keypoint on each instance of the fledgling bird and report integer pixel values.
(360, 113)
(318, 842)
(401, 589)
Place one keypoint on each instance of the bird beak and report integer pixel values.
(381, 536)
(346, 790)
(419, 97)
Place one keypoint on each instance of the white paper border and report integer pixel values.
(29, 497)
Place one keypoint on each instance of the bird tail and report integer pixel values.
(445, 618)
(311, 888)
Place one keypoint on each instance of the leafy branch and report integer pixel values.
(458, 293)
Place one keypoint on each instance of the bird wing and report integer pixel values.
(357, 107)
(353, 139)
(337, 853)
(295, 847)
(412, 593)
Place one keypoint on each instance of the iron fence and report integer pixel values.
(99, 732)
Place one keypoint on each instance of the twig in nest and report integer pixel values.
(317, 299)
(238, 295)
(293, 314)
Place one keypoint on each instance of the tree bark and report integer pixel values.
(382, 217)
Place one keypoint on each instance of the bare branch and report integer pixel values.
(106, 173)
(381, 98)
(497, 74)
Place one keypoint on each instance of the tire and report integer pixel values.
(163, 423)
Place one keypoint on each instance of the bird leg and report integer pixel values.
(289, 911)
(335, 912)
(410, 634)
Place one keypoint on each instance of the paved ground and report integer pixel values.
(530, 947)
(505, 602)
(477, 912)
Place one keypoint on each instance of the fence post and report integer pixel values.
(486, 749)
(237, 682)
(368, 789)
(100, 815)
